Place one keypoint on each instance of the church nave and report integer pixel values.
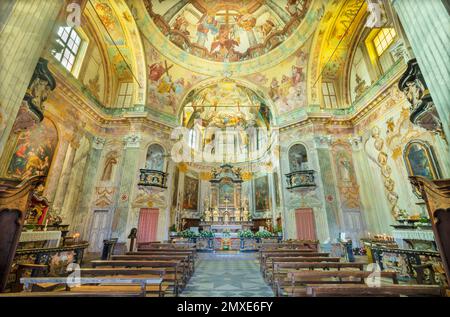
(227, 274)
(224, 148)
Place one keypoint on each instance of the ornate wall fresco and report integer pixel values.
(118, 47)
(262, 197)
(286, 84)
(167, 82)
(345, 175)
(34, 151)
(190, 197)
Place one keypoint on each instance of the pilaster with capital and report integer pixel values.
(129, 175)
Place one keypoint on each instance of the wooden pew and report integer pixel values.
(175, 270)
(270, 262)
(295, 283)
(189, 254)
(290, 253)
(142, 282)
(168, 250)
(309, 245)
(159, 290)
(184, 258)
(332, 290)
(281, 269)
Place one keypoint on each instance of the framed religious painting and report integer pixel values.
(190, 197)
(262, 197)
(420, 160)
(33, 152)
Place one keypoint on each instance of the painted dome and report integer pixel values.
(230, 30)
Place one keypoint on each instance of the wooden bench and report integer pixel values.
(292, 253)
(167, 250)
(186, 257)
(141, 282)
(175, 271)
(159, 290)
(337, 290)
(281, 269)
(295, 282)
(311, 245)
(270, 262)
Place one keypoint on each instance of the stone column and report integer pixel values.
(128, 179)
(24, 34)
(427, 26)
(88, 185)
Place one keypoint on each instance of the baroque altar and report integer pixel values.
(225, 210)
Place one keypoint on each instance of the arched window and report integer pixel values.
(155, 158)
(420, 160)
(298, 157)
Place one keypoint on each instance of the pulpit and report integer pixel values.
(436, 195)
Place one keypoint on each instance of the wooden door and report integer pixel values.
(100, 230)
(305, 223)
(148, 225)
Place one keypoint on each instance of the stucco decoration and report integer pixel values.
(386, 172)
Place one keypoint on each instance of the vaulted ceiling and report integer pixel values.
(280, 49)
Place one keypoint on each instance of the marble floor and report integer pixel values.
(227, 274)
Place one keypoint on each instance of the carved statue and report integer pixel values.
(207, 215)
(246, 215)
(216, 215)
(226, 217)
(237, 215)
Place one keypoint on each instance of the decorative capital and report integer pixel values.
(98, 143)
(356, 143)
(132, 141)
(322, 141)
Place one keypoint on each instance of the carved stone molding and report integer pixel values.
(132, 140)
(356, 143)
(322, 141)
(98, 143)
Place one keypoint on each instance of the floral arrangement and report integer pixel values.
(248, 234)
(263, 234)
(402, 215)
(188, 234)
(206, 234)
(423, 221)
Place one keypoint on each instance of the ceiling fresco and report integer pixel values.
(226, 64)
(226, 104)
(287, 76)
(227, 31)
